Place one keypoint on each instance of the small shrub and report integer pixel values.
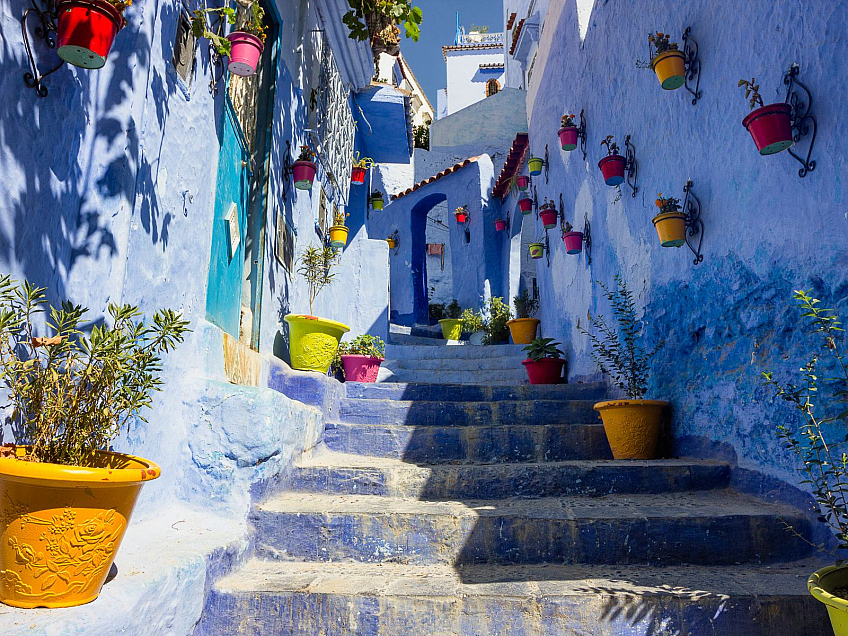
(471, 321)
(543, 348)
(495, 316)
(525, 305)
(453, 311)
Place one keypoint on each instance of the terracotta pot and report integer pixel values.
(357, 176)
(549, 218)
(304, 174)
(500, 225)
(670, 68)
(613, 167)
(568, 137)
(523, 330)
(770, 127)
(86, 31)
(525, 205)
(522, 183)
(537, 250)
(544, 371)
(632, 427)
(671, 228)
(573, 242)
(245, 53)
(361, 368)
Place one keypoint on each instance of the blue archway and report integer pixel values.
(418, 257)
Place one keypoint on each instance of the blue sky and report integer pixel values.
(439, 26)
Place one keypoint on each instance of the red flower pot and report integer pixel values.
(304, 174)
(361, 368)
(613, 169)
(500, 225)
(770, 127)
(549, 218)
(568, 137)
(357, 176)
(522, 183)
(544, 371)
(525, 205)
(461, 217)
(86, 31)
(573, 242)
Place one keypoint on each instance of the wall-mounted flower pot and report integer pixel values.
(245, 53)
(500, 225)
(313, 342)
(632, 427)
(537, 250)
(361, 368)
(522, 183)
(613, 168)
(544, 371)
(304, 174)
(392, 243)
(451, 328)
(568, 137)
(822, 585)
(338, 236)
(461, 217)
(525, 205)
(671, 228)
(357, 176)
(377, 203)
(770, 127)
(534, 165)
(549, 218)
(86, 31)
(523, 330)
(670, 68)
(573, 242)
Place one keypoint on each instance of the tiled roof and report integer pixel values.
(515, 36)
(513, 163)
(511, 20)
(436, 177)
(468, 47)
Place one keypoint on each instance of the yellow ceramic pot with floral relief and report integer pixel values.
(61, 526)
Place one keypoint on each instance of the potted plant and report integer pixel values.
(548, 214)
(313, 341)
(523, 327)
(535, 165)
(338, 231)
(495, 316)
(568, 133)
(522, 182)
(377, 200)
(67, 500)
(392, 242)
(243, 46)
(770, 126)
(613, 165)
(472, 324)
(816, 441)
(303, 170)
(670, 222)
(86, 30)
(668, 62)
(572, 240)
(361, 358)
(632, 425)
(500, 225)
(544, 361)
(360, 167)
(452, 325)
(461, 214)
(537, 250)
(525, 204)
(368, 20)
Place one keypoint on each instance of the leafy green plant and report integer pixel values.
(72, 393)
(617, 351)
(825, 467)
(525, 305)
(364, 345)
(668, 204)
(315, 264)
(366, 18)
(254, 24)
(496, 314)
(612, 147)
(362, 162)
(453, 310)
(376, 195)
(471, 321)
(421, 136)
(752, 92)
(543, 348)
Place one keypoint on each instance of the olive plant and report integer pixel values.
(315, 264)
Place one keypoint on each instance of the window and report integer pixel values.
(492, 87)
(285, 244)
(184, 45)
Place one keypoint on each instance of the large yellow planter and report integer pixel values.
(61, 526)
(670, 69)
(820, 585)
(671, 228)
(632, 427)
(338, 235)
(523, 330)
(313, 341)
(451, 328)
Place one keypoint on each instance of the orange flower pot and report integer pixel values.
(671, 228)
(523, 330)
(632, 427)
(670, 68)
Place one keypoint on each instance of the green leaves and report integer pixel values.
(366, 18)
(543, 348)
(525, 305)
(315, 265)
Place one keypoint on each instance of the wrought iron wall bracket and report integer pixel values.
(631, 167)
(802, 120)
(217, 60)
(692, 65)
(288, 171)
(694, 224)
(581, 134)
(587, 239)
(547, 164)
(45, 30)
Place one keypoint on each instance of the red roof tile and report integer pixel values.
(513, 164)
(515, 36)
(436, 177)
(512, 17)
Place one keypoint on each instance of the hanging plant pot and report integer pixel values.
(670, 69)
(313, 342)
(770, 127)
(522, 183)
(613, 168)
(544, 371)
(361, 368)
(523, 330)
(671, 228)
(549, 218)
(537, 250)
(461, 217)
(86, 31)
(534, 165)
(568, 137)
(392, 243)
(357, 176)
(377, 203)
(338, 236)
(822, 585)
(451, 328)
(525, 205)
(304, 174)
(573, 242)
(500, 225)
(244, 56)
(632, 427)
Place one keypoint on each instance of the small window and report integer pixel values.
(285, 244)
(184, 48)
(492, 87)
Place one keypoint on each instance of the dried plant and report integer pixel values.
(752, 92)
(315, 264)
(612, 147)
(660, 41)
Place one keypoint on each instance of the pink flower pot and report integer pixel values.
(568, 137)
(500, 225)
(525, 205)
(549, 218)
(361, 368)
(544, 371)
(245, 53)
(522, 183)
(573, 242)
(304, 174)
(612, 168)
(770, 127)
(357, 176)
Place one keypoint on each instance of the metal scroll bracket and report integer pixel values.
(692, 65)
(46, 30)
(631, 167)
(587, 239)
(694, 224)
(802, 121)
(288, 171)
(581, 134)
(547, 164)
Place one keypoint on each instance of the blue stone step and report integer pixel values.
(385, 599)
(596, 391)
(467, 351)
(470, 444)
(695, 528)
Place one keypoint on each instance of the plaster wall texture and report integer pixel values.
(439, 269)
(466, 81)
(729, 318)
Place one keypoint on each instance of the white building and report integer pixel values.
(475, 69)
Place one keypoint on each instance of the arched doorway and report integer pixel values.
(418, 259)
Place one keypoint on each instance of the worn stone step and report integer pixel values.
(386, 599)
(698, 528)
(504, 377)
(470, 444)
(345, 474)
(500, 363)
(422, 341)
(423, 413)
(596, 391)
(419, 352)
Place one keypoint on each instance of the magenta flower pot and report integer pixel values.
(357, 176)
(361, 368)
(522, 183)
(461, 217)
(612, 168)
(245, 53)
(544, 371)
(770, 127)
(500, 225)
(568, 137)
(549, 218)
(525, 205)
(573, 242)
(304, 174)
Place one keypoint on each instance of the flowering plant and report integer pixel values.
(120, 5)
(668, 204)
(339, 217)
(362, 162)
(660, 41)
(306, 153)
(567, 121)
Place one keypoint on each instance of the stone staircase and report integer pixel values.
(495, 509)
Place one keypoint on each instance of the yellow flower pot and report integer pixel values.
(451, 328)
(392, 243)
(338, 235)
(632, 427)
(670, 69)
(523, 330)
(61, 526)
(821, 584)
(313, 342)
(671, 228)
